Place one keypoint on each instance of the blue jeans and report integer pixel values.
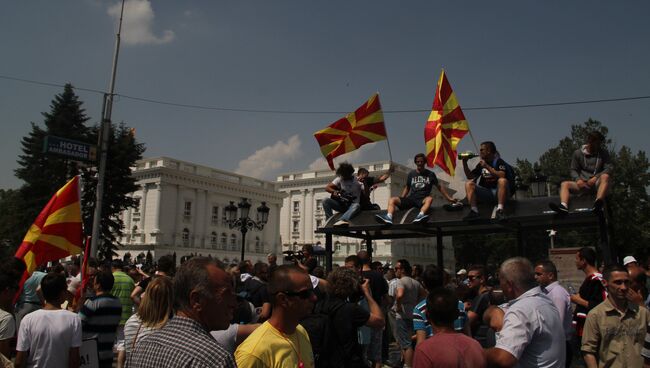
(330, 205)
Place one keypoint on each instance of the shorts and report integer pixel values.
(119, 338)
(406, 203)
(374, 348)
(404, 329)
(487, 195)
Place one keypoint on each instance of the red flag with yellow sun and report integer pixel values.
(365, 125)
(57, 231)
(445, 127)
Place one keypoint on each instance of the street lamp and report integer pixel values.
(538, 184)
(244, 223)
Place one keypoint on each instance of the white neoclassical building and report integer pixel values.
(181, 210)
(302, 214)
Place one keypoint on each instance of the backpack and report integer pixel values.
(320, 329)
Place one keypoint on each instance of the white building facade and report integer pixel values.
(302, 213)
(182, 210)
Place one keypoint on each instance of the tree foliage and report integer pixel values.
(43, 174)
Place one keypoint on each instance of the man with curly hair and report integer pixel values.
(346, 193)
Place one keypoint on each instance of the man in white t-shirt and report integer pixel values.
(50, 337)
(346, 193)
(8, 287)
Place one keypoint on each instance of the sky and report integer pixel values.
(325, 58)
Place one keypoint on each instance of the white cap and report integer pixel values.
(629, 259)
(462, 272)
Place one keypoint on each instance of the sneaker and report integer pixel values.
(500, 216)
(420, 218)
(341, 223)
(384, 219)
(559, 208)
(598, 205)
(471, 216)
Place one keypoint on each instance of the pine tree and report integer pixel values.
(123, 152)
(42, 173)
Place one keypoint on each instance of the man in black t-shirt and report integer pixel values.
(491, 180)
(369, 184)
(416, 193)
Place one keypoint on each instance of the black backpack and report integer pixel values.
(320, 329)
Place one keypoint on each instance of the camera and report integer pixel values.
(291, 256)
(345, 198)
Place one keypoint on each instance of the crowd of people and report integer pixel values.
(295, 314)
(207, 314)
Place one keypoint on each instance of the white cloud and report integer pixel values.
(267, 161)
(137, 27)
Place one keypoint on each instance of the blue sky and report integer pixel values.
(326, 56)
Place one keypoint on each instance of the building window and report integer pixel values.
(223, 241)
(187, 211)
(215, 215)
(233, 242)
(296, 226)
(258, 245)
(337, 247)
(319, 205)
(213, 240)
(185, 236)
(319, 224)
(296, 206)
(224, 217)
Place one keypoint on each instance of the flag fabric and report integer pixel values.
(57, 231)
(445, 127)
(365, 125)
(84, 272)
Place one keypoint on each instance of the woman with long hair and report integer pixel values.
(155, 310)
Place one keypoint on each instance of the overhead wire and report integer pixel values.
(313, 112)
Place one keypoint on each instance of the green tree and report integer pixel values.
(43, 174)
(123, 152)
(628, 199)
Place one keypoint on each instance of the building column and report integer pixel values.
(143, 213)
(156, 218)
(199, 221)
(303, 217)
(309, 216)
(178, 217)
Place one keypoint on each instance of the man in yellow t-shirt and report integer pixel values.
(281, 341)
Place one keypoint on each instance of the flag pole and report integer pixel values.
(473, 141)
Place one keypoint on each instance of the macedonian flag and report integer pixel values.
(365, 125)
(57, 231)
(445, 127)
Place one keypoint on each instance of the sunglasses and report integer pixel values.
(472, 277)
(304, 294)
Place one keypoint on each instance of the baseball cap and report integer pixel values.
(629, 259)
(462, 272)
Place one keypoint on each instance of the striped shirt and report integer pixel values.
(122, 289)
(100, 316)
(420, 321)
(183, 342)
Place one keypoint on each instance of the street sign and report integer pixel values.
(69, 148)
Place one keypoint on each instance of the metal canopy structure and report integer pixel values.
(522, 216)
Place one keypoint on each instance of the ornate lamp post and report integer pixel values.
(244, 223)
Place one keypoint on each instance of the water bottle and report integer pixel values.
(467, 155)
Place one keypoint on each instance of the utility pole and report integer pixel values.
(105, 131)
